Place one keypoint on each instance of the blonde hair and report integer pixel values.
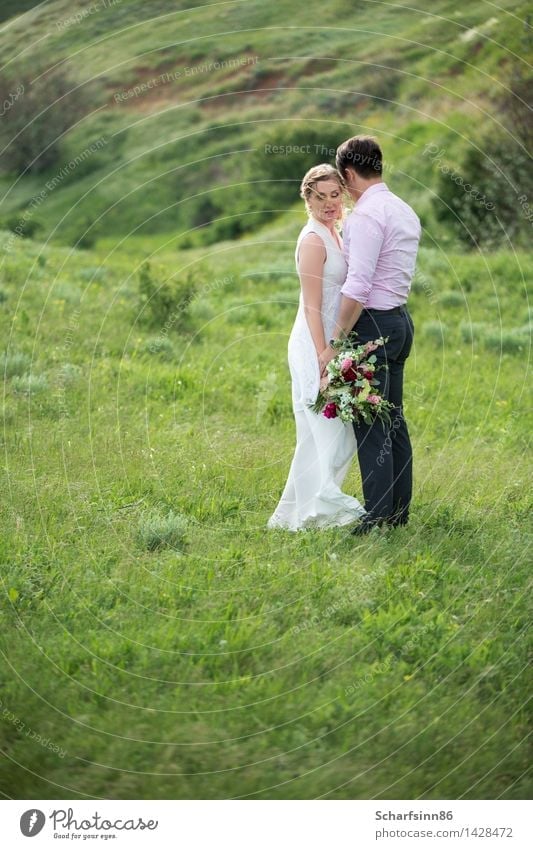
(314, 176)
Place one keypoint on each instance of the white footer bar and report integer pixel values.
(266, 824)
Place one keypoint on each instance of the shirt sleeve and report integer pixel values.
(365, 239)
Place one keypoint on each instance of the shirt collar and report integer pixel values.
(377, 187)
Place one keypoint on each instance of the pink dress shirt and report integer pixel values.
(381, 237)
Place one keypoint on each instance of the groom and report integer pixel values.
(381, 237)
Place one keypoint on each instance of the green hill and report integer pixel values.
(186, 102)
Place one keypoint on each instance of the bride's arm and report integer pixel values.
(312, 255)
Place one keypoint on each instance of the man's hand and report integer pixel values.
(324, 358)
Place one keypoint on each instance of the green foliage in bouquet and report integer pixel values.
(351, 392)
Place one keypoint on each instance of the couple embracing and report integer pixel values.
(361, 283)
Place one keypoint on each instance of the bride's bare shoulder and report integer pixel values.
(310, 245)
(309, 237)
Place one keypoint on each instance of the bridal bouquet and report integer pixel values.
(351, 391)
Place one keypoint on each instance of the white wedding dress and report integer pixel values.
(324, 447)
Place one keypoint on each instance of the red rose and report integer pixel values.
(348, 371)
(330, 411)
(350, 374)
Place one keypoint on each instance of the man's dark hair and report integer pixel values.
(363, 154)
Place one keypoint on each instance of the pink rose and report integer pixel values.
(373, 399)
(330, 411)
(346, 364)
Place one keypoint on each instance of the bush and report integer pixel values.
(283, 156)
(14, 364)
(512, 341)
(29, 384)
(86, 238)
(69, 373)
(267, 183)
(515, 101)
(92, 273)
(39, 114)
(163, 302)
(450, 298)
(485, 197)
(158, 345)
(23, 226)
(7, 415)
(435, 330)
(158, 531)
(473, 331)
(64, 291)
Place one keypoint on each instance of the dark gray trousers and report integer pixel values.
(384, 450)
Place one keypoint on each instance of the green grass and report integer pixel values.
(162, 531)
(208, 658)
(162, 641)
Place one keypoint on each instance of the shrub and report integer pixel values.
(515, 98)
(283, 156)
(451, 298)
(69, 373)
(507, 341)
(92, 273)
(435, 330)
(31, 129)
(510, 341)
(29, 384)
(158, 345)
(86, 238)
(7, 415)
(163, 302)
(201, 312)
(158, 531)
(67, 292)
(16, 363)
(479, 197)
(472, 331)
(23, 226)
(383, 83)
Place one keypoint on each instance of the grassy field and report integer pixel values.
(239, 662)
(156, 641)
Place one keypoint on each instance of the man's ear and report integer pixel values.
(350, 172)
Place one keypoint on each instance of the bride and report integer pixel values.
(324, 447)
